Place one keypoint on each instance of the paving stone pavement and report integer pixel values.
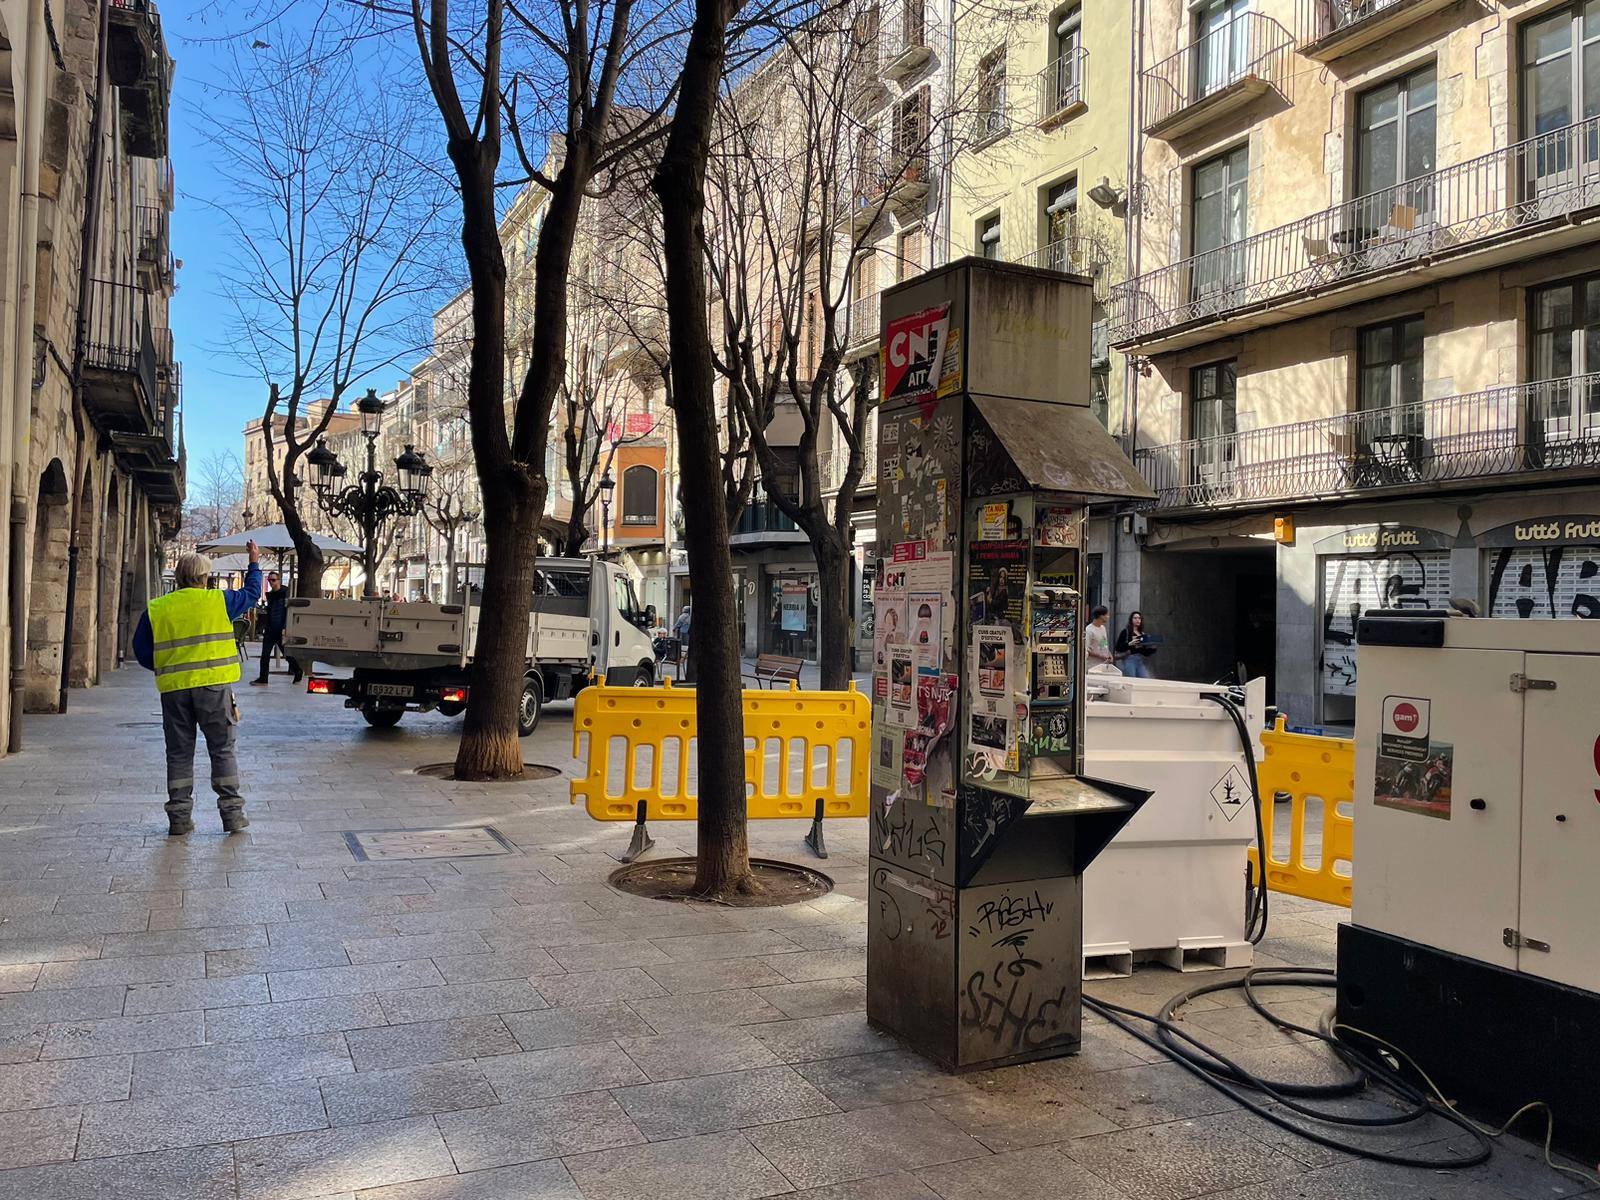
(264, 1017)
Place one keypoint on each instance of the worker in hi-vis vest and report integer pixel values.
(186, 638)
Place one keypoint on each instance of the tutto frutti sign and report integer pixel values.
(1545, 531)
(1382, 539)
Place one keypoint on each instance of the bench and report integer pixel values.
(775, 668)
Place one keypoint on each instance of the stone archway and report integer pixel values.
(47, 590)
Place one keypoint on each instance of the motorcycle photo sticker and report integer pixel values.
(1412, 772)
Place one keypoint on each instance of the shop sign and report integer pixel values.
(1382, 539)
(1544, 531)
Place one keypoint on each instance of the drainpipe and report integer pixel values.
(86, 260)
(1132, 246)
(32, 149)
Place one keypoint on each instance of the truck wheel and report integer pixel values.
(382, 718)
(451, 708)
(528, 709)
(645, 676)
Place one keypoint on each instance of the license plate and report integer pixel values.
(390, 689)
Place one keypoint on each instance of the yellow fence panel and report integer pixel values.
(801, 749)
(1319, 776)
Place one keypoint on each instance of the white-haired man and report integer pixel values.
(186, 638)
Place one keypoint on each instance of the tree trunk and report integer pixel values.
(723, 859)
(490, 748)
(833, 610)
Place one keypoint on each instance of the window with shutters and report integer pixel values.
(989, 237)
(1060, 220)
(989, 101)
(639, 496)
(909, 255)
(1063, 79)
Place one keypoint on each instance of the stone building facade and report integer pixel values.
(91, 444)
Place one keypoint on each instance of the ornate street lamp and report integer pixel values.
(607, 485)
(369, 502)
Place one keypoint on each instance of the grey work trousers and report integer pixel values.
(210, 710)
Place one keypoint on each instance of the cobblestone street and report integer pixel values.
(270, 1017)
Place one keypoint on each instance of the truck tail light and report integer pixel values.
(319, 687)
(453, 695)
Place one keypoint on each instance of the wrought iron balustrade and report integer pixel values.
(1062, 85)
(1251, 46)
(1544, 426)
(1540, 179)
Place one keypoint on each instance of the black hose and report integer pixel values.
(1238, 1083)
(1256, 918)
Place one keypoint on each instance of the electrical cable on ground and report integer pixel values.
(1256, 918)
(1244, 1087)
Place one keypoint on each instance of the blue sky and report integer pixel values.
(219, 394)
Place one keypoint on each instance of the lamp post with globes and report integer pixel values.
(606, 486)
(370, 502)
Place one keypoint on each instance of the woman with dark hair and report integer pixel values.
(1133, 649)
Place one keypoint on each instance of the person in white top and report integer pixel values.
(1097, 641)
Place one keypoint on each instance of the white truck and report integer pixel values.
(413, 656)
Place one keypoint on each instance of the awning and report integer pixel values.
(1062, 448)
(274, 538)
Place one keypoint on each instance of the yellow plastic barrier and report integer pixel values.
(1306, 766)
(805, 753)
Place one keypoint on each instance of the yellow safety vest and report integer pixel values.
(193, 637)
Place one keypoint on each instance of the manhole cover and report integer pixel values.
(385, 845)
(673, 879)
(530, 772)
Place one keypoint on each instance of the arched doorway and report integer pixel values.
(47, 591)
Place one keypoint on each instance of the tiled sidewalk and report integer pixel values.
(266, 1017)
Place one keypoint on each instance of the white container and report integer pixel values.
(1171, 886)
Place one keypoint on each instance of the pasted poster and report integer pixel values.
(1413, 770)
(914, 351)
(887, 755)
(936, 704)
(902, 709)
(1352, 585)
(889, 616)
(926, 627)
(997, 575)
(792, 602)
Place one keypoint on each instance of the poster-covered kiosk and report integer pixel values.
(982, 821)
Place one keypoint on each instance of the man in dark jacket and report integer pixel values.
(277, 620)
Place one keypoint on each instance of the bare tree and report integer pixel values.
(804, 189)
(545, 71)
(334, 217)
(723, 846)
(216, 496)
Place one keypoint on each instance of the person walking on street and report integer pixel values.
(680, 630)
(1097, 642)
(277, 601)
(186, 638)
(1133, 649)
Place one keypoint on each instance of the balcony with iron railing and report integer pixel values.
(992, 118)
(153, 244)
(1463, 218)
(1063, 88)
(1330, 29)
(1216, 74)
(861, 321)
(1548, 429)
(888, 177)
(761, 519)
(907, 38)
(120, 357)
(1074, 253)
(137, 63)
